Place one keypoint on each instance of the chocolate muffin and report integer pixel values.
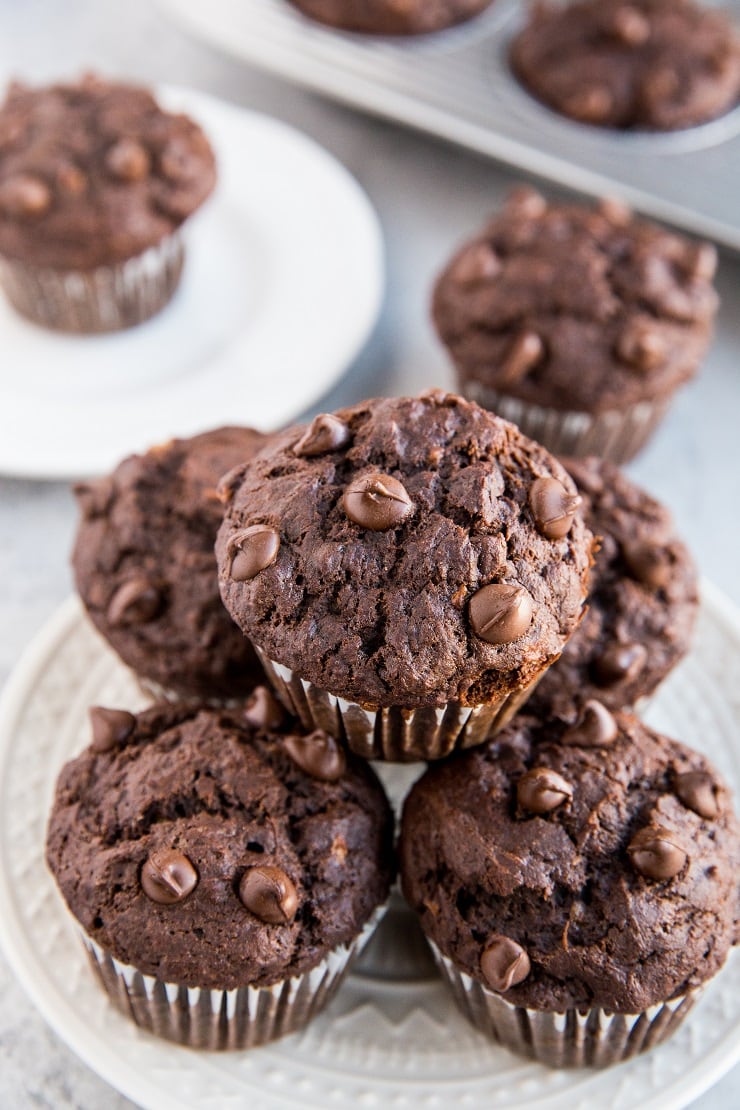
(95, 183)
(646, 64)
(642, 601)
(571, 878)
(223, 873)
(578, 324)
(391, 17)
(406, 567)
(144, 566)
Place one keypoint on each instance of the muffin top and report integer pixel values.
(652, 64)
(405, 552)
(576, 308)
(391, 17)
(642, 601)
(144, 564)
(94, 173)
(594, 865)
(209, 852)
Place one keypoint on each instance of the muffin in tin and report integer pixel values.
(407, 569)
(642, 600)
(391, 17)
(145, 569)
(576, 323)
(578, 884)
(223, 874)
(96, 181)
(630, 64)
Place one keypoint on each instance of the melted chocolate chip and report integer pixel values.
(477, 264)
(263, 710)
(269, 894)
(500, 613)
(595, 727)
(325, 433)
(168, 877)
(629, 26)
(128, 160)
(656, 853)
(553, 508)
(24, 195)
(642, 345)
(504, 963)
(615, 211)
(72, 180)
(650, 565)
(318, 754)
(135, 602)
(377, 501)
(523, 355)
(253, 549)
(701, 262)
(592, 105)
(110, 727)
(541, 790)
(620, 663)
(698, 791)
(526, 201)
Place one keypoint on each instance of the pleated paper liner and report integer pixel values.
(571, 1039)
(105, 299)
(613, 435)
(394, 734)
(225, 1019)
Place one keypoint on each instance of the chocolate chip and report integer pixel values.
(110, 727)
(168, 877)
(650, 565)
(504, 963)
(542, 790)
(137, 601)
(553, 508)
(615, 211)
(325, 433)
(527, 202)
(523, 354)
(642, 345)
(620, 663)
(500, 613)
(253, 549)
(24, 195)
(128, 161)
(72, 180)
(701, 262)
(592, 105)
(595, 727)
(263, 710)
(477, 264)
(377, 501)
(656, 852)
(269, 894)
(318, 754)
(629, 26)
(698, 791)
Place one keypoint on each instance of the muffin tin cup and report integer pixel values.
(616, 436)
(392, 733)
(571, 1039)
(104, 299)
(225, 1019)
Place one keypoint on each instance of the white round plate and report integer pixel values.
(282, 284)
(391, 1038)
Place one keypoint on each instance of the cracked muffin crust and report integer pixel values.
(642, 601)
(196, 847)
(650, 64)
(405, 552)
(589, 866)
(391, 17)
(145, 570)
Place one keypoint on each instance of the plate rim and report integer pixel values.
(70, 1028)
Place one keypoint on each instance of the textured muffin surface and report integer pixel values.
(230, 799)
(563, 885)
(386, 615)
(651, 64)
(94, 173)
(145, 568)
(576, 308)
(391, 17)
(642, 601)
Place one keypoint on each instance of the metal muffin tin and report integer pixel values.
(457, 84)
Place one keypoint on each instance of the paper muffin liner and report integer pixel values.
(225, 1019)
(592, 1038)
(614, 435)
(393, 733)
(107, 298)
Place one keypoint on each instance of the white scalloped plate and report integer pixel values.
(282, 284)
(391, 1038)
